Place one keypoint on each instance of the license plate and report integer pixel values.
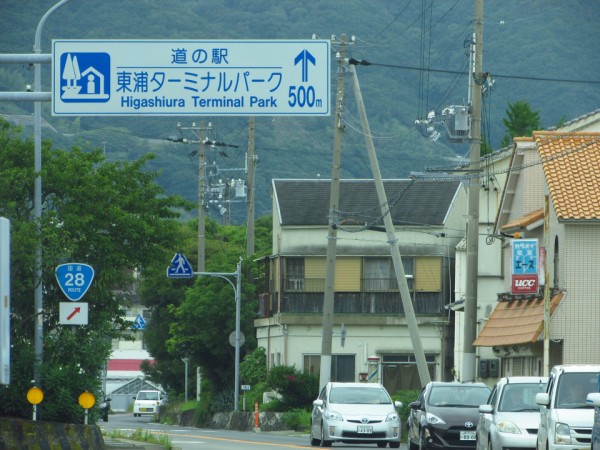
(144, 410)
(468, 436)
(364, 429)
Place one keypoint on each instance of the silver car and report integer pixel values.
(355, 413)
(511, 418)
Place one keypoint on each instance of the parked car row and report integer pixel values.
(559, 412)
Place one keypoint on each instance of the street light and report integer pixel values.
(37, 198)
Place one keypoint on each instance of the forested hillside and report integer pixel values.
(541, 51)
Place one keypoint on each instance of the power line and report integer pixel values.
(514, 77)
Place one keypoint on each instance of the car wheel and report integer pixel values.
(381, 444)
(412, 445)
(324, 443)
(395, 444)
(313, 441)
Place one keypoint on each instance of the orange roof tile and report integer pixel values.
(516, 322)
(571, 163)
(523, 222)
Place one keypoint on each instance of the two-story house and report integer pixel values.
(369, 322)
(562, 167)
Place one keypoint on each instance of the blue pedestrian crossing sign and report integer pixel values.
(139, 323)
(180, 267)
(74, 279)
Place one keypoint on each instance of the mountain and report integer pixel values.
(541, 51)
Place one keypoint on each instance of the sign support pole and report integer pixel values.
(238, 294)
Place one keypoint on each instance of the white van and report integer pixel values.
(566, 419)
(147, 402)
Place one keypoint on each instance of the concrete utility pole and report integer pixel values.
(250, 194)
(470, 323)
(409, 311)
(201, 134)
(547, 318)
(329, 294)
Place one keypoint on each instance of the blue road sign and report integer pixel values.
(139, 323)
(180, 267)
(191, 77)
(74, 279)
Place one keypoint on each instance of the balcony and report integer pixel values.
(378, 296)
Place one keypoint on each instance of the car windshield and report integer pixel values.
(359, 395)
(520, 397)
(147, 396)
(458, 395)
(573, 389)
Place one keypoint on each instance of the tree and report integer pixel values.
(520, 121)
(112, 216)
(197, 316)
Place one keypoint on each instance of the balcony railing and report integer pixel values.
(378, 296)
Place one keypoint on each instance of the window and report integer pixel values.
(294, 274)
(379, 274)
(342, 366)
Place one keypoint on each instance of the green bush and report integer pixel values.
(297, 419)
(274, 405)
(405, 397)
(297, 389)
(253, 369)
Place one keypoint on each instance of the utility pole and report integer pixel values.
(547, 318)
(329, 294)
(201, 134)
(201, 175)
(470, 312)
(409, 311)
(250, 194)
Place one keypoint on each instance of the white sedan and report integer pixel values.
(511, 418)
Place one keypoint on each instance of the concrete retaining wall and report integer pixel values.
(29, 435)
(239, 421)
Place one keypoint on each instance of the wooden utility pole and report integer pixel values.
(329, 294)
(470, 312)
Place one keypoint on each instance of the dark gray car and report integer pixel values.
(445, 415)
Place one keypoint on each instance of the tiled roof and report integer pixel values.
(525, 221)
(516, 322)
(306, 202)
(571, 163)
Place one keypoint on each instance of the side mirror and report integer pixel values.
(318, 403)
(542, 398)
(415, 405)
(486, 409)
(593, 398)
(398, 404)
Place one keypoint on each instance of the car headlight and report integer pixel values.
(392, 417)
(433, 419)
(562, 434)
(506, 426)
(333, 415)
